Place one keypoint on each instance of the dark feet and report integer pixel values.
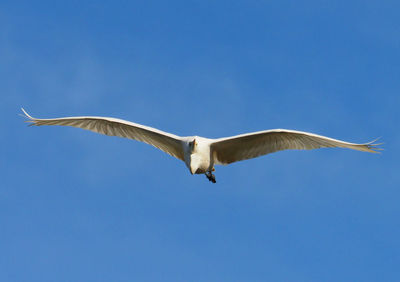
(211, 177)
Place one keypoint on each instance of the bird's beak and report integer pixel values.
(191, 171)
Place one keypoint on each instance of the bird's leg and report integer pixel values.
(210, 176)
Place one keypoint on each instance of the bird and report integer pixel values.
(201, 154)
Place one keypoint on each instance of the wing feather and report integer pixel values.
(252, 145)
(169, 143)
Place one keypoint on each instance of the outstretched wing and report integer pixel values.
(169, 143)
(252, 145)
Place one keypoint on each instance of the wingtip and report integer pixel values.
(374, 147)
(26, 115)
(373, 141)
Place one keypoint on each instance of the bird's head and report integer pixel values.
(193, 146)
(194, 158)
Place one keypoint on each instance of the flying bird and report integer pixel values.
(202, 154)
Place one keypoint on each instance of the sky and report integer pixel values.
(79, 206)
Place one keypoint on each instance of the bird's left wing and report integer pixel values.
(169, 143)
(251, 145)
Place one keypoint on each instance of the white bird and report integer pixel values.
(201, 154)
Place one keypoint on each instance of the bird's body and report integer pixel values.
(202, 154)
(198, 157)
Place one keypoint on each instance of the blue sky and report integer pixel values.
(78, 206)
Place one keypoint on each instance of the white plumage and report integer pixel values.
(201, 154)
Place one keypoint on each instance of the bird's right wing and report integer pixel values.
(251, 145)
(169, 143)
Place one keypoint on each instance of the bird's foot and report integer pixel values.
(210, 177)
